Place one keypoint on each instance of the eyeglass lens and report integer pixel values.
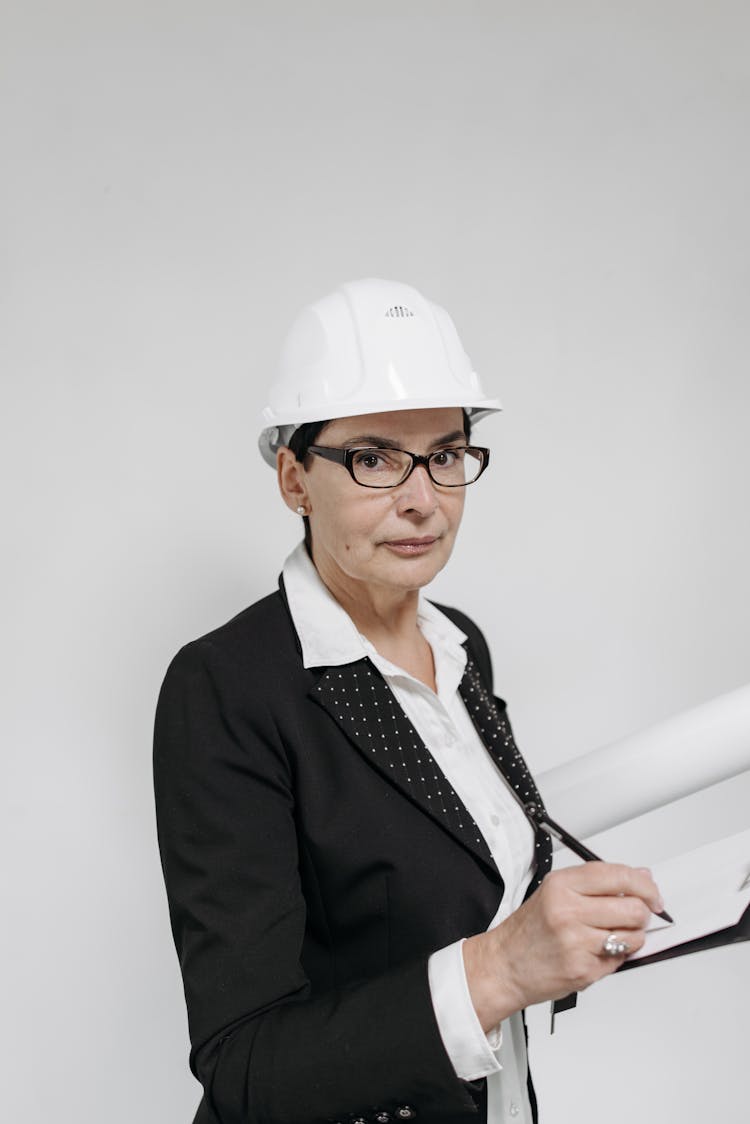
(383, 468)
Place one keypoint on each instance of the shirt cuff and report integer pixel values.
(472, 1052)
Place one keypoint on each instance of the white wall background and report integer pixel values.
(571, 181)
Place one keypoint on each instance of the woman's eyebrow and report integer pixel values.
(457, 435)
(371, 441)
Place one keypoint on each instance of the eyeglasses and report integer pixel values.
(454, 467)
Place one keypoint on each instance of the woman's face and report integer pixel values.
(398, 538)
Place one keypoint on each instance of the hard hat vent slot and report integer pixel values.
(397, 311)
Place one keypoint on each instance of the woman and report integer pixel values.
(358, 898)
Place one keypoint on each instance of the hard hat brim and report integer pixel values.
(275, 436)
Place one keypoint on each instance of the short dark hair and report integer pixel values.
(307, 434)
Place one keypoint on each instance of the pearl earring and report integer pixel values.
(301, 510)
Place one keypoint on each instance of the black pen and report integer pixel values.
(539, 816)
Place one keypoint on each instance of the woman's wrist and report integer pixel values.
(493, 993)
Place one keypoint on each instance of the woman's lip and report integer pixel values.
(410, 546)
(412, 542)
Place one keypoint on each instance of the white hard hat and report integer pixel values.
(368, 347)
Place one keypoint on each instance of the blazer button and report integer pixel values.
(382, 1117)
(406, 1112)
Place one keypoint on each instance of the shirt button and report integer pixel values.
(495, 820)
(514, 1109)
(382, 1118)
(406, 1112)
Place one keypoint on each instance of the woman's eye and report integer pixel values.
(445, 458)
(370, 460)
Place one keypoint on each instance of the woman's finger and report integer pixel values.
(614, 913)
(615, 879)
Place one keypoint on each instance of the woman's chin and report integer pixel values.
(412, 571)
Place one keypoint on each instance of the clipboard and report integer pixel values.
(731, 935)
(708, 891)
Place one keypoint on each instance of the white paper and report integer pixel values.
(621, 781)
(704, 890)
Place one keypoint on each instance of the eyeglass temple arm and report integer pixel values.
(338, 456)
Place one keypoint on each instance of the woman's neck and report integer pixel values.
(387, 618)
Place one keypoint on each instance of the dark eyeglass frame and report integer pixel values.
(346, 457)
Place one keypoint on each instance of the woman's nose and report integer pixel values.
(418, 492)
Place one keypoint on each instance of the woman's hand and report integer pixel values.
(552, 944)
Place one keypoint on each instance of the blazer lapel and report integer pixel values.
(362, 704)
(491, 721)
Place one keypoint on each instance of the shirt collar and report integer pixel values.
(328, 636)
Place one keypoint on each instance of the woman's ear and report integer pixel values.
(291, 477)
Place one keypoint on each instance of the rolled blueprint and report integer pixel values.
(620, 781)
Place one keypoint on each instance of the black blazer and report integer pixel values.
(314, 857)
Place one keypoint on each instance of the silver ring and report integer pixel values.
(613, 946)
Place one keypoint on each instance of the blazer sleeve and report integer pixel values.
(264, 1046)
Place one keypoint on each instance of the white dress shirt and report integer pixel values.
(329, 637)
